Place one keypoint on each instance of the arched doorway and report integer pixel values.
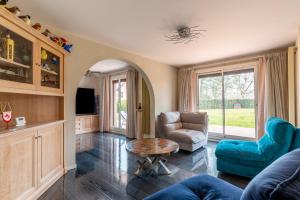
(145, 99)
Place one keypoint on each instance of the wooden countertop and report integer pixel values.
(87, 115)
(14, 129)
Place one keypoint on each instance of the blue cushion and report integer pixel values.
(296, 140)
(277, 139)
(199, 187)
(237, 149)
(280, 180)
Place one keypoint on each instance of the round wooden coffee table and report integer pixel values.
(153, 152)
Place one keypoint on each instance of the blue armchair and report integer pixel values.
(280, 180)
(247, 159)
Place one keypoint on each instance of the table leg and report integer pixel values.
(140, 167)
(162, 164)
(153, 164)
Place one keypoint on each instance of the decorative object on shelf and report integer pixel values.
(46, 66)
(9, 47)
(6, 113)
(68, 47)
(44, 55)
(20, 72)
(62, 42)
(54, 60)
(25, 55)
(20, 121)
(37, 26)
(185, 34)
(14, 10)
(26, 19)
(58, 40)
(3, 2)
(47, 33)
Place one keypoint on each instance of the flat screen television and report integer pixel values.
(85, 101)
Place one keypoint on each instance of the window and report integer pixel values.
(119, 103)
(228, 96)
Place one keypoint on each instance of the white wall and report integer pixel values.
(163, 79)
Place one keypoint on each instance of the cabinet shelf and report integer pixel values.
(8, 63)
(49, 72)
(7, 74)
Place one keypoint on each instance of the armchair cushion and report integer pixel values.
(194, 121)
(186, 136)
(170, 117)
(171, 127)
(237, 149)
(194, 117)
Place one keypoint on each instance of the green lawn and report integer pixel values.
(233, 117)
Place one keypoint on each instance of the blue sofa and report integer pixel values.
(247, 159)
(279, 181)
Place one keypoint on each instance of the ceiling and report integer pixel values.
(109, 65)
(234, 28)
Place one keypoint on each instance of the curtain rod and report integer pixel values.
(224, 62)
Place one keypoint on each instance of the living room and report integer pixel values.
(178, 99)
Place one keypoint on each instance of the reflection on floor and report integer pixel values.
(105, 171)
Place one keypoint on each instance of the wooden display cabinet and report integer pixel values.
(16, 70)
(31, 160)
(30, 63)
(31, 80)
(50, 69)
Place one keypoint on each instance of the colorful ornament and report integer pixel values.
(54, 60)
(26, 19)
(9, 47)
(6, 113)
(3, 2)
(37, 26)
(44, 55)
(15, 10)
(47, 33)
(68, 47)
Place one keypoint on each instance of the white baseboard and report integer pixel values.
(67, 168)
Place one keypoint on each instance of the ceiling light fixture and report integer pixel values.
(185, 34)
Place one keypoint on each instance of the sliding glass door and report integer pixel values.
(229, 99)
(239, 105)
(210, 100)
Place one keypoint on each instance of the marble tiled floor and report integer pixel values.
(105, 170)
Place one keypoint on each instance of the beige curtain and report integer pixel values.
(261, 73)
(104, 104)
(131, 84)
(272, 88)
(187, 90)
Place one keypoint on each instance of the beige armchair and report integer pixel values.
(188, 129)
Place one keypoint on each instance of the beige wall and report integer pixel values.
(90, 82)
(163, 79)
(298, 81)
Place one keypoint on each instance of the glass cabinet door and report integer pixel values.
(51, 69)
(16, 55)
